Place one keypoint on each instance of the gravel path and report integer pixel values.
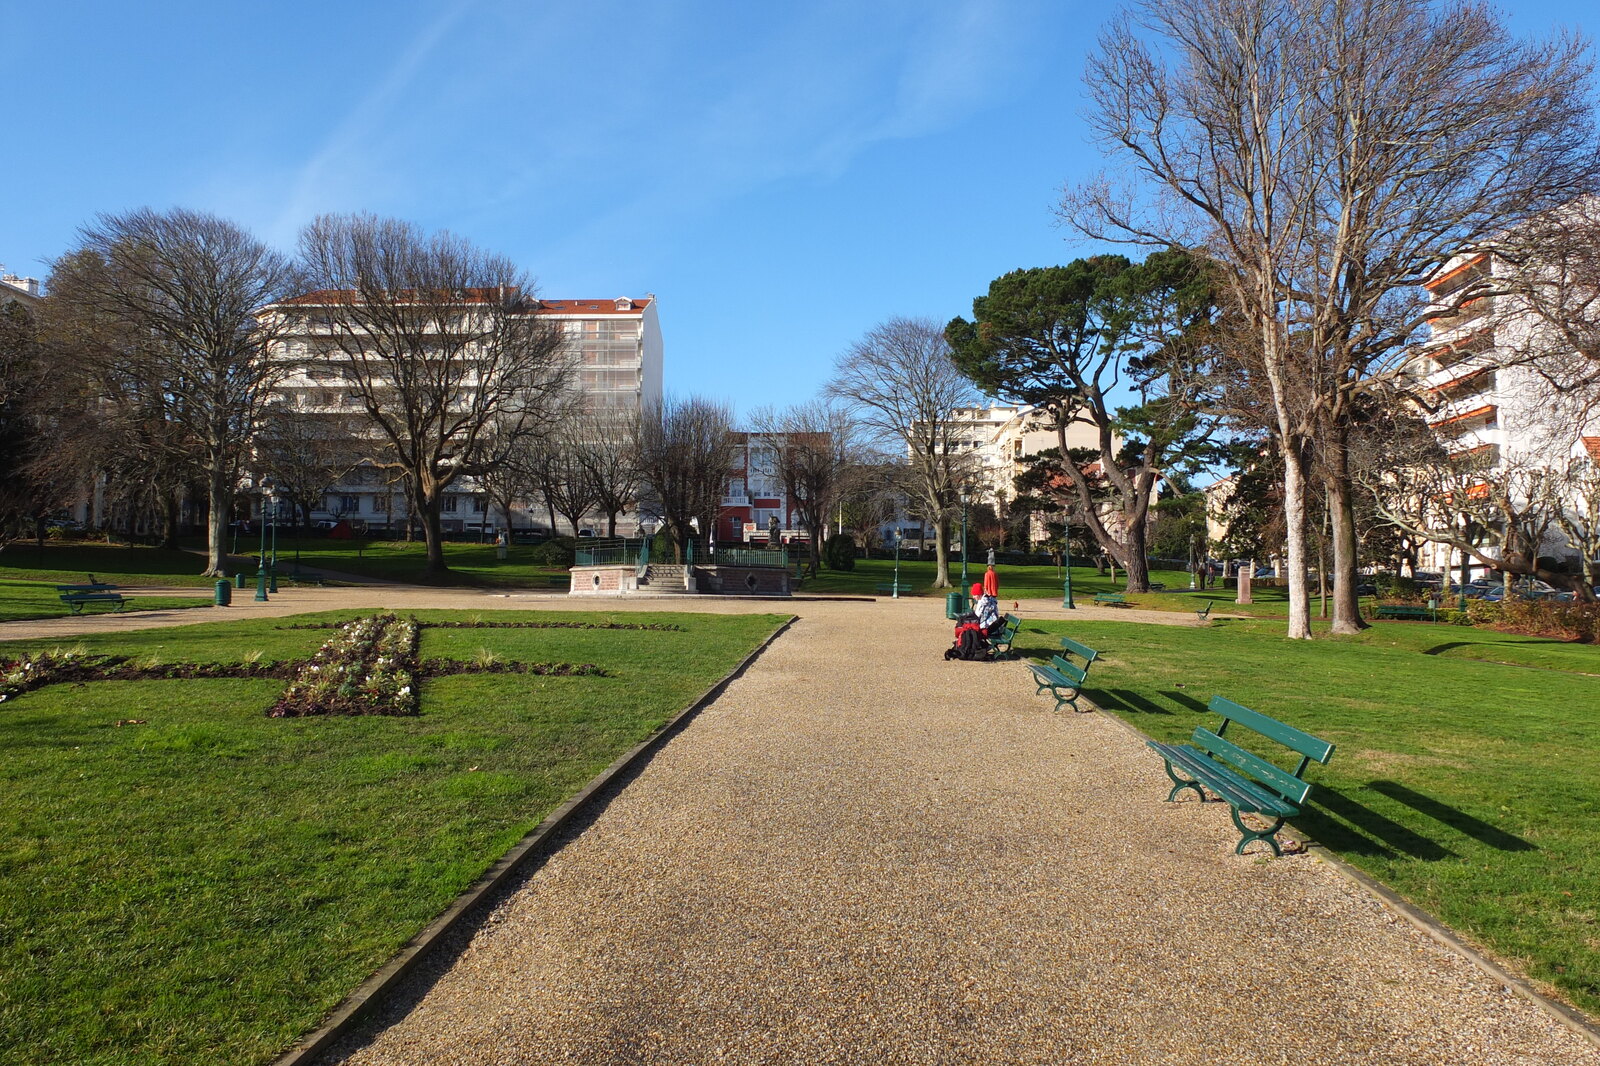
(861, 853)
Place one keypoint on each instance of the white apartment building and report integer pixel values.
(999, 438)
(1488, 397)
(25, 291)
(617, 353)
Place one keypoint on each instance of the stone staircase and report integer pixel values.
(665, 577)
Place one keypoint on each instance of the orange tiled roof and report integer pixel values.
(1593, 444)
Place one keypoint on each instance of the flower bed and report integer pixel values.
(368, 667)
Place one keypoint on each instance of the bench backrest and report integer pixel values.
(1290, 786)
(1088, 655)
(1066, 669)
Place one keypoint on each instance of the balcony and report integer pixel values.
(736, 501)
(1454, 424)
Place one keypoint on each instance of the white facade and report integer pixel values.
(25, 291)
(1001, 439)
(615, 346)
(1489, 392)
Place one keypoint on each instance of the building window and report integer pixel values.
(450, 503)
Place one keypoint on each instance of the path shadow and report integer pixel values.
(1345, 825)
(1122, 699)
(1457, 819)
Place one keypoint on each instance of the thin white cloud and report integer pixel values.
(339, 167)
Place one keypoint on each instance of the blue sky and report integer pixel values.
(782, 176)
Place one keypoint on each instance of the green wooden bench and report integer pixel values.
(1205, 612)
(1001, 642)
(560, 581)
(1402, 610)
(886, 588)
(1110, 599)
(1062, 677)
(1248, 783)
(79, 600)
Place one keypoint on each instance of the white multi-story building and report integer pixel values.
(616, 350)
(25, 291)
(1489, 391)
(1000, 439)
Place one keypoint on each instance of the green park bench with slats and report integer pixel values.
(1248, 783)
(1062, 677)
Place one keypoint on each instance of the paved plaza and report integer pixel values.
(862, 853)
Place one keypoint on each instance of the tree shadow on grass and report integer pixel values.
(1440, 649)
(1479, 830)
(1183, 699)
(1122, 699)
(1344, 825)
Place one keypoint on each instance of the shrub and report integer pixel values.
(1547, 618)
(557, 551)
(839, 553)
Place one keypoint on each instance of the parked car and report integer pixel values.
(1265, 571)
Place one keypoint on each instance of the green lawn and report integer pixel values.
(71, 562)
(36, 599)
(205, 886)
(1466, 771)
(1016, 582)
(398, 560)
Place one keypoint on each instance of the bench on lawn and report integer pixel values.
(560, 581)
(91, 585)
(1248, 783)
(1110, 599)
(79, 600)
(1062, 676)
(886, 588)
(1001, 642)
(1402, 610)
(1205, 612)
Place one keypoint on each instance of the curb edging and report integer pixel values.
(1570, 1017)
(355, 1007)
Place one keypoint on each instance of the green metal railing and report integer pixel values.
(612, 551)
(740, 556)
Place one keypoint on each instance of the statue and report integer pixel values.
(773, 539)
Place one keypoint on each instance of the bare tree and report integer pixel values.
(901, 384)
(186, 286)
(306, 453)
(1503, 514)
(1578, 516)
(610, 461)
(686, 454)
(441, 341)
(1332, 154)
(569, 484)
(817, 457)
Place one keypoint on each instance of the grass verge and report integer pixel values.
(203, 887)
(33, 599)
(1465, 773)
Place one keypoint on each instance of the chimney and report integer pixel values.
(27, 285)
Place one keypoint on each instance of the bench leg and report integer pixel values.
(1250, 835)
(1179, 784)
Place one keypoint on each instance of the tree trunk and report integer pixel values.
(1342, 514)
(433, 533)
(941, 553)
(171, 508)
(1294, 513)
(1136, 561)
(219, 500)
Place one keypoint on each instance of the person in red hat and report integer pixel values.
(985, 607)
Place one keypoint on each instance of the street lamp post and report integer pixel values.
(897, 562)
(272, 568)
(1066, 570)
(261, 568)
(963, 544)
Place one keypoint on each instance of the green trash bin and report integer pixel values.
(955, 605)
(224, 593)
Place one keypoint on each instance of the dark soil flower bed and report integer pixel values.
(657, 626)
(446, 667)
